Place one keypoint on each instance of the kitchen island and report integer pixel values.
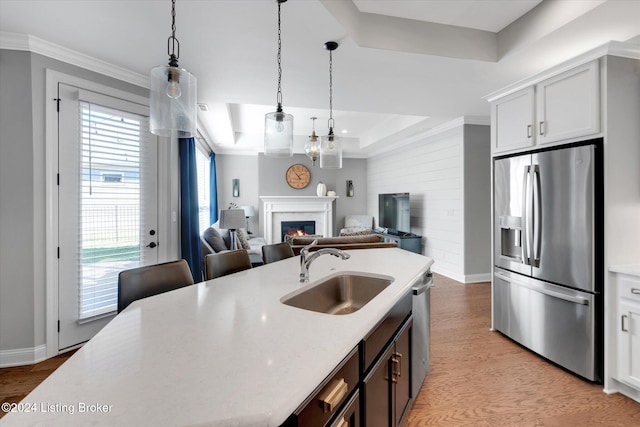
(225, 352)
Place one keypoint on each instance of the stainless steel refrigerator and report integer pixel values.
(548, 279)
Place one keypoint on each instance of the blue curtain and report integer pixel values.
(213, 189)
(189, 227)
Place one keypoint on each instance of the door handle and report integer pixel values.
(399, 359)
(394, 362)
(542, 128)
(537, 217)
(569, 298)
(624, 316)
(529, 134)
(152, 245)
(524, 246)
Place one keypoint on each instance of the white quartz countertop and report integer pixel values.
(630, 269)
(225, 352)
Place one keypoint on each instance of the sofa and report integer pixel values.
(369, 241)
(357, 225)
(214, 239)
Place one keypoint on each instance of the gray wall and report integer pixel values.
(477, 200)
(17, 208)
(22, 191)
(265, 176)
(244, 168)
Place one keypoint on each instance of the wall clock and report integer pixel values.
(298, 176)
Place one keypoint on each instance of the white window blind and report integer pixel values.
(111, 203)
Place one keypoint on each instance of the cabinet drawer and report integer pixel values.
(350, 415)
(383, 333)
(329, 397)
(629, 287)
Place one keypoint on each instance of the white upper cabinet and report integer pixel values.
(568, 105)
(561, 108)
(512, 121)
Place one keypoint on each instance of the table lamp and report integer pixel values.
(248, 213)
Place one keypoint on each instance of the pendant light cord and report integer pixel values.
(279, 93)
(173, 42)
(331, 122)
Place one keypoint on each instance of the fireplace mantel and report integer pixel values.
(289, 208)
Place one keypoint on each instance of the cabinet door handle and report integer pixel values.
(394, 361)
(343, 423)
(333, 394)
(542, 128)
(635, 291)
(399, 356)
(529, 134)
(624, 316)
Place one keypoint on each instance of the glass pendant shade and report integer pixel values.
(173, 102)
(312, 147)
(331, 152)
(278, 134)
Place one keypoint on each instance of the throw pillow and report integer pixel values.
(224, 233)
(243, 241)
(214, 239)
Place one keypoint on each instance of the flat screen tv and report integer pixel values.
(394, 212)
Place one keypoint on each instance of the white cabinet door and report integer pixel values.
(568, 105)
(629, 344)
(512, 119)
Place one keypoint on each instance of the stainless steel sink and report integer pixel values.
(343, 293)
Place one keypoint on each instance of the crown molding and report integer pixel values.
(612, 48)
(29, 43)
(435, 131)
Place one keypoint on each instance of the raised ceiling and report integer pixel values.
(402, 66)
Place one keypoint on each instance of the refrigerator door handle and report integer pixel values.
(537, 217)
(549, 292)
(525, 224)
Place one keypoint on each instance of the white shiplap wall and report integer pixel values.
(431, 169)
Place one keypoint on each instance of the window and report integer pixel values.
(110, 203)
(204, 182)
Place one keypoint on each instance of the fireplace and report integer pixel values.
(297, 228)
(276, 209)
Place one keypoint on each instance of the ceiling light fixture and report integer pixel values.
(331, 146)
(173, 93)
(311, 148)
(278, 126)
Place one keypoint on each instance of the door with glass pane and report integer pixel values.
(107, 202)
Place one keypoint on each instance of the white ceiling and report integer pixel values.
(402, 66)
(487, 15)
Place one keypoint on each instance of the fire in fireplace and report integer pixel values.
(297, 228)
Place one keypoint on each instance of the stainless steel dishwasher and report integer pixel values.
(421, 331)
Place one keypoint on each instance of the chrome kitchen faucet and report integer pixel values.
(306, 259)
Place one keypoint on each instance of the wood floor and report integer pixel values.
(481, 378)
(477, 378)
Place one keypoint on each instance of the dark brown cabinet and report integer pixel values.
(387, 387)
(372, 385)
(329, 398)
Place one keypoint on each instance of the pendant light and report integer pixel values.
(331, 146)
(173, 93)
(311, 148)
(278, 126)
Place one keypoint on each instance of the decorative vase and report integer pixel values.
(321, 189)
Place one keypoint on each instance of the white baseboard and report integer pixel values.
(476, 278)
(463, 278)
(23, 356)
